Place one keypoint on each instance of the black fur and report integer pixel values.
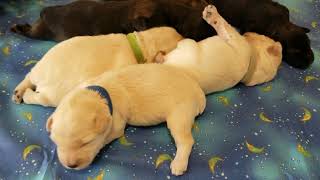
(87, 17)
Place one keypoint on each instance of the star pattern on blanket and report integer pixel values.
(264, 132)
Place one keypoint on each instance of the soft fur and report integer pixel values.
(222, 61)
(78, 59)
(87, 17)
(142, 95)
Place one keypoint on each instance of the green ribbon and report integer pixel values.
(133, 41)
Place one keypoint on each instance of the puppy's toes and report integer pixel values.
(160, 57)
(20, 28)
(209, 12)
(211, 8)
(178, 167)
(17, 96)
(15, 28)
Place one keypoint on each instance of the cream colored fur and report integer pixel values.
(142, 95)
(80, 58)
(222, 61)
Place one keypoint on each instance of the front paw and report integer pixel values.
(178, 167)
(17, 96)
(210, 13)
(159, 59)
(20, 28)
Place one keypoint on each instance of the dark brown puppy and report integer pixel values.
(123, 16)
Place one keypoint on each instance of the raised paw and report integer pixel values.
(210, 14)
(17, 96)
(178, 167)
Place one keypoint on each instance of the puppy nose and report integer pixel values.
(72, 166)
(311, 55)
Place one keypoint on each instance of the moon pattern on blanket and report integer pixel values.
(269, 116)
(224, 100)
(264, 118)
(212, 163)
(254, 149)
(27, 116)
(303, 151)
(100, 176)
(162, 158)
(27, 150)
(267, 88)
(30, 62)
(307, 79)
(124, 141)
(306, 115)
(6, 50)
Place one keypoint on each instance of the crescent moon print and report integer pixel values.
(269, 131)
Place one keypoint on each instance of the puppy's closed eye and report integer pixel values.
(87, 140)
(85, 144)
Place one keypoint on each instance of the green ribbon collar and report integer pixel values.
(133, 41)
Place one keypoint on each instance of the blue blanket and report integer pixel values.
(270, 131)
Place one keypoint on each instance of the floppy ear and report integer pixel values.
(275, 49)
(49, 124)
(101, 124)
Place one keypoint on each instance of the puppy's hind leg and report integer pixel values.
(223, 28)
(21, 88)
(180, 125)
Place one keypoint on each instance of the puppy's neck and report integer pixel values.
(156, 40)
(147, 45)
(119, 117)
(252, 64)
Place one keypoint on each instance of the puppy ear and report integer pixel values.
(49, 124)
(275, 49)
(101, 124)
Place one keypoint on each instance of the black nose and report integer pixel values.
(72, 166)
(311, 55)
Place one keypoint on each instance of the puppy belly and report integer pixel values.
(146, 121)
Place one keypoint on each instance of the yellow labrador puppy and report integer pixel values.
(78, 59)
(222, 61)
(96, 112)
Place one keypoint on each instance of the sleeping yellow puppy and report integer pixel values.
(75, 60)
(222, 61)
(96, 112)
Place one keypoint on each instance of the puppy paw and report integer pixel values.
(210, 14)
(178, 167)
(160, 57)
(17, 96)
(20, 28)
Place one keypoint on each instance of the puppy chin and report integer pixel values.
(83, 165)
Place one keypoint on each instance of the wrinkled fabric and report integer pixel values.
(263, 132)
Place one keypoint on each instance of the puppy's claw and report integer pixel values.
(178, 167)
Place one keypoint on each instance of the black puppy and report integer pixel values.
(271, 19)
(123, 16)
